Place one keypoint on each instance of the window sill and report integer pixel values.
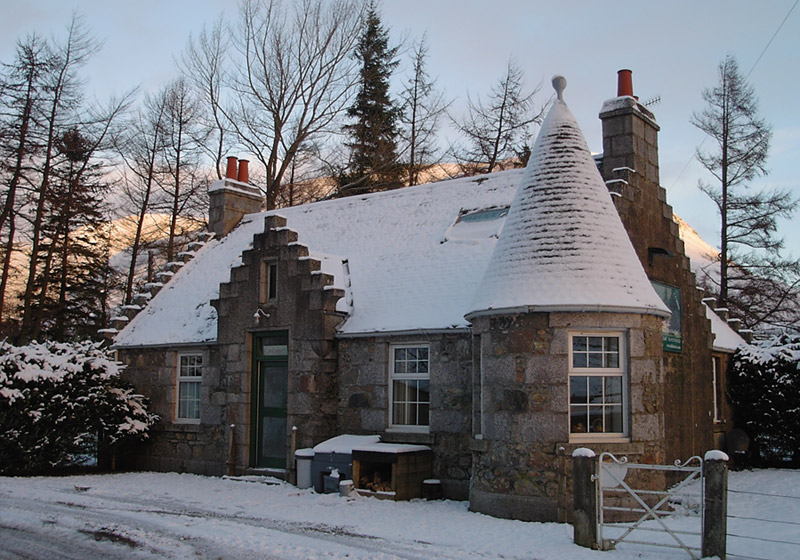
(421, 438)
(617, 447)
(598, 438)
(408, 429)
(185, 426)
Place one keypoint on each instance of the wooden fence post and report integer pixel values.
(584, 497)
(715, 508)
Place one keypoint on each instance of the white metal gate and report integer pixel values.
(617, 498)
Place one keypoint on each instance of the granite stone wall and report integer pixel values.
(521, 455)
(631, 169)
(305, 308)
(363, 400)
(175, 446)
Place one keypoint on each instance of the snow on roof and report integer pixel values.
(409, 265)
(181, 313)
(703, 256)
(345, 443)
(725, 338)
(563, 245)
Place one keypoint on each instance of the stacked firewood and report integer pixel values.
(376, 484)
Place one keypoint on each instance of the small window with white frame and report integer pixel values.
(597, 386)
(269, 282)
(409, 387)
(190, 377)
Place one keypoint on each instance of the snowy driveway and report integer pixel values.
(174, 516)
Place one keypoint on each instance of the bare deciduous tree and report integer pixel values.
(140, 149)
(20, 95)
(422, 110)
(291, 76)
(497, 128)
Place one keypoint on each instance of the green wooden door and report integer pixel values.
(270, 386)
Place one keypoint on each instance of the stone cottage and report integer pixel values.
(502, 320)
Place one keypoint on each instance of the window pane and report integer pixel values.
(274, 385)
(411, 353)
(423, 386)
(412, 414)
(399, 391)
(579, 344)
(595, 344)
(399, 413)
(577, 420)
(595, 419)
(596, 389)
(423, 354)
(614, 418)
(612, 344)
(189, 400)
(411, 391)
(613, 389)
(612, 360)
(422, 367)
(577, 389)
(273, 437)
(595, 360)
(579, 360)
(424, 416)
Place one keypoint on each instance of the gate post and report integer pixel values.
(715, 507)
(584, 497)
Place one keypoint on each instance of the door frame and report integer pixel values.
(255, 392)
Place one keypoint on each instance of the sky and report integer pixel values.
(673, 48)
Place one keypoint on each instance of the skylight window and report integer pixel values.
(477, 224)
(482, 215)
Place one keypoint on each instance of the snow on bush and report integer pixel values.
(764, 388)
(60, 402)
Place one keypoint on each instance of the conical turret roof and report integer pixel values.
(563, 246)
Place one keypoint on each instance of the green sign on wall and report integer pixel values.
(671, 338)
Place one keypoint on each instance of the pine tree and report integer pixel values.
(374, 163)
(755, 281)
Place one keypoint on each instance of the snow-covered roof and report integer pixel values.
(414, 259)
(413, 263)
(563, 246)
(725, 338)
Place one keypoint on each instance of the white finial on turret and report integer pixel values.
(559, 84)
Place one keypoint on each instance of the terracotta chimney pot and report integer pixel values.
(243, 174)
(624, 83)
(230, 171)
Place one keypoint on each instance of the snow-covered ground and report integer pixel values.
(148, 515)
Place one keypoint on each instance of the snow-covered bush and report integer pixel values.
(60, 402)
(764, 388)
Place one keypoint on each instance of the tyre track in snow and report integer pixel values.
(136, 528)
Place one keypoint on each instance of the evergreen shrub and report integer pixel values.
(63, 404)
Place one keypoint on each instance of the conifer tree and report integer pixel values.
(374, 161)
(755, 281)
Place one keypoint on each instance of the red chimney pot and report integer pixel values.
(243, 175)
(624, 83)
(230, 171)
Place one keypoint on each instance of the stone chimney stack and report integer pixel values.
(232, 198)
(630, 165)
